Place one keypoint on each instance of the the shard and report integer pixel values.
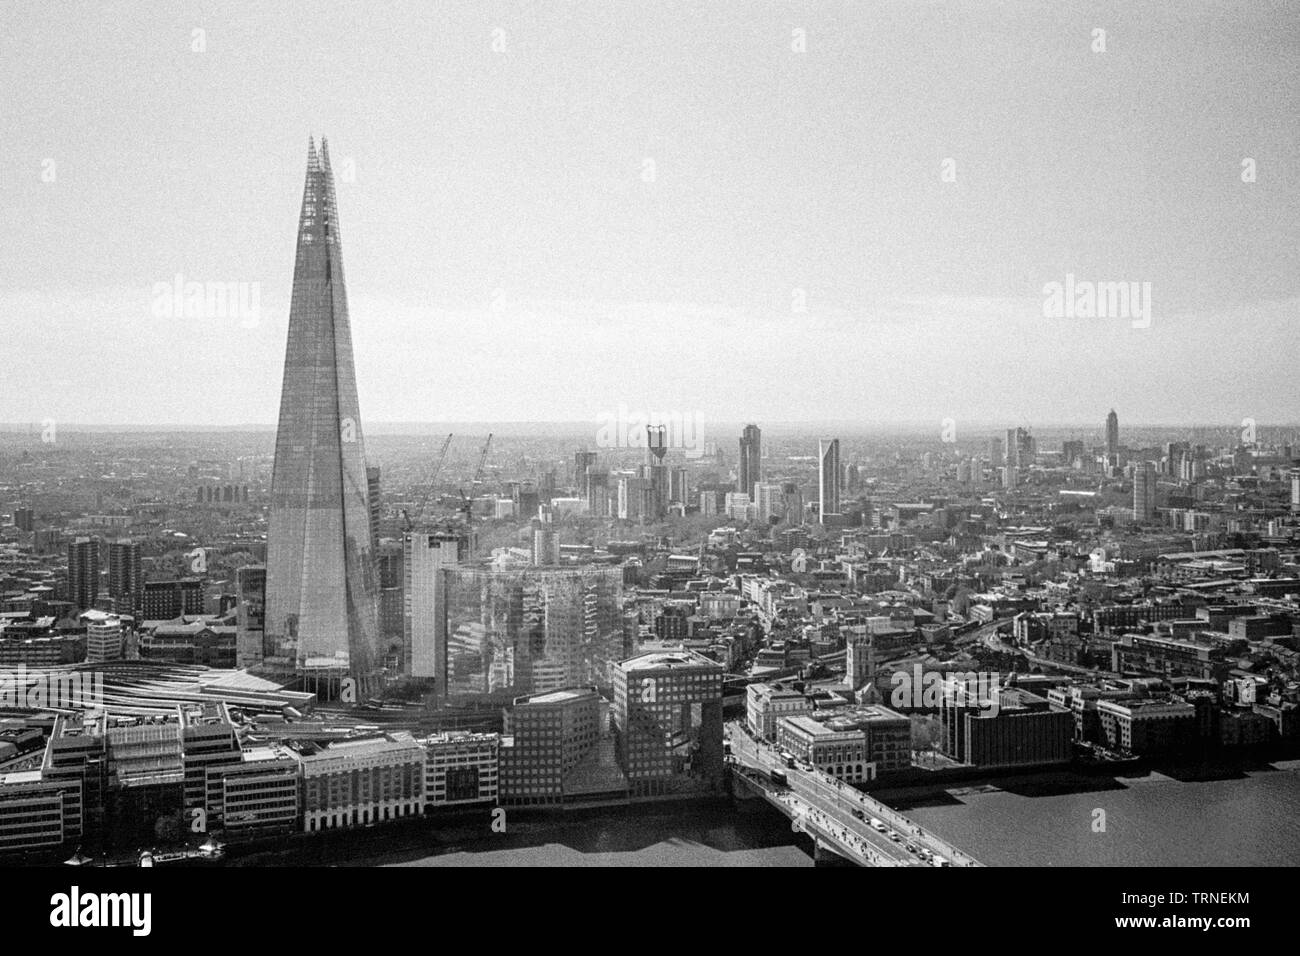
(321, 589)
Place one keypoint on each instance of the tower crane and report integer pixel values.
(433, 474)
(467, 503)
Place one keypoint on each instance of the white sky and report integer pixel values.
(517, 178)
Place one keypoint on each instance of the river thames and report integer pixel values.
(1250, 819)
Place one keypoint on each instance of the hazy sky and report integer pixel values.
(506, 257)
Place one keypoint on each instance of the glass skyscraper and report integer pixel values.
(321, 588)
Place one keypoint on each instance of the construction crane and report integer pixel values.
(433, 474)
(467, 503)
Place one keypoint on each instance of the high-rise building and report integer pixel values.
(83, 572)
(24, 519)
(1112, 438)
(1295, 489)
(995, 453)
(769, 501)
(751, 459)
(668, 723)
(1144, 492)
(525, 630)
(424, 554)
(655, 472)
(321, 588)
(679, 488)
(250, 614)
(828, 477)
(793, 502)
(125, 577)
(583, 463)
(546, 543)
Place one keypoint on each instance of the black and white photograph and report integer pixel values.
(612, 435)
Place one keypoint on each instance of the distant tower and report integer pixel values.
(656, 472)
(321, 587)
(1144, 492)
(1112, 438)
(828, 477)
(751, 459)
(546, 544)
(995, 453)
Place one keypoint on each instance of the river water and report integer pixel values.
(1251, 819)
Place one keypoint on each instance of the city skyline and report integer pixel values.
(801, 434)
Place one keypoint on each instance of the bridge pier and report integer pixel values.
(826, 855)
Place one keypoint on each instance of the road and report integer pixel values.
(827, 804)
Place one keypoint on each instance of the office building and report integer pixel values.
(36, 813)
(888, 734)
(321, 587)
(547, 736)
(1023, 730)
(841, 754)
(679, 486)
(765, 704)
(104, 636)
(546, 541)
(353, 782)
(1112, 438)
(828, 477)
(668, 723)
(751, 459)
(996, 460)
(424, 554)
(510, 632)
(250, 606)
(257, 795)
(1144, 492)
(1150, 725)
(461, 768)
(769, 502)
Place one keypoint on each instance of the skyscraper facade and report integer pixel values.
(125, 577)
(828, 476)
(751, 459)
(1144, 492)
(250, 604)
(1112, 438)
(83, 572)
(321, 588)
